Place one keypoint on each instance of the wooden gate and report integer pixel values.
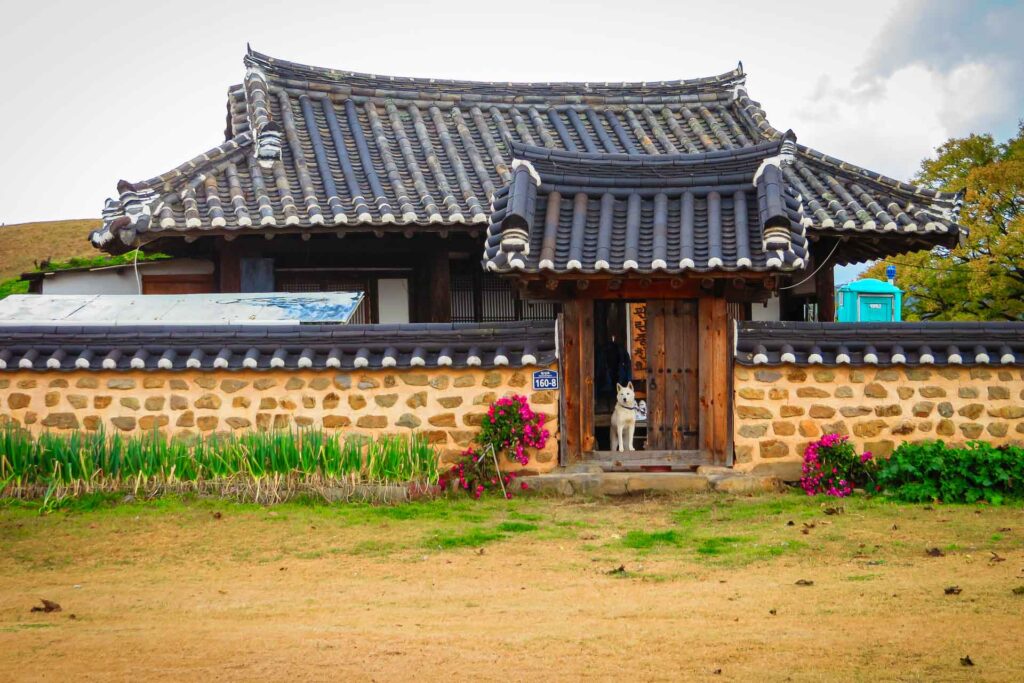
(672, 375)
(688, 385)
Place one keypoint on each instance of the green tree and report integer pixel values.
(983, 278)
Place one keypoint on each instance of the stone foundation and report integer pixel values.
(778, 410)
(445, 405)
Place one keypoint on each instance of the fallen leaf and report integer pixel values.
(717, 672)
(480, 551)
(837, 510)
(1004, 529)
(966, 661)
(995, 557)
(804, 582)
(47, 606)
(217, 514)
(895, 528)
(934, 552)
(73, 617)
(621, 569)
(1019, 590)
(773, 612)
(953, 590)
(790, 523)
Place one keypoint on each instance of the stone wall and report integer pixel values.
(446, 405)
(779, 409)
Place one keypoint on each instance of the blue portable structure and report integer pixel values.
(869, 301)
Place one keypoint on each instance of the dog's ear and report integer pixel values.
(618, 387)
(630, 386)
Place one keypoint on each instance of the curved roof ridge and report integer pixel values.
(890, 183)
(196, 164)
(723, 82)
(533, 153)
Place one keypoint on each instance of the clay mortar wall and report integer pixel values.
(777, 410)
(446, 405)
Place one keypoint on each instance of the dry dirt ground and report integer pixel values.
(532, 590)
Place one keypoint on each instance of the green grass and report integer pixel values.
(645, 540)
(517, 527)
(469, 539)
(15, 286)
(719, 545)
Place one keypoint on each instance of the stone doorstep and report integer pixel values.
(569, 483)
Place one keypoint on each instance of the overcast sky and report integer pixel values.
(97, 91)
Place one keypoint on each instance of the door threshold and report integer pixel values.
(649, 461)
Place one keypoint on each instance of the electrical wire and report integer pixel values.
(823, 264)
(138, 279)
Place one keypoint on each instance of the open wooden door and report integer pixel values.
(672, 375)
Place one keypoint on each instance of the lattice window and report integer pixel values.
(481, 297)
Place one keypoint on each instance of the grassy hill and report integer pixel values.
(25, 244)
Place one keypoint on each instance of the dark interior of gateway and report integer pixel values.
(619, 359)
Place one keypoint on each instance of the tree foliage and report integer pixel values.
(983, 278)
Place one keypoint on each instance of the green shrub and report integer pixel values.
(931, 470)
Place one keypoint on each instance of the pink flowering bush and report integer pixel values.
(509, 429)
(832, 467)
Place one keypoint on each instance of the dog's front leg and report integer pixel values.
(630, 429)
(618, 429)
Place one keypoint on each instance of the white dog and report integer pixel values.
(623, 418)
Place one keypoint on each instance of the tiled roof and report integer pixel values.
(955, 343)
(725, 210)
(276, 346)
(312, 149)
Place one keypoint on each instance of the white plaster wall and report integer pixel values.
(767, 311)
(393, 300)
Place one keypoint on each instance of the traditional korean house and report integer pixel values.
(646, 217)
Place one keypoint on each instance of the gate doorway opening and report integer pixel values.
(654, 345)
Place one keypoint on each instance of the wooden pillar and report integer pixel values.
(825, 287)
(439, 286)
(577, 361)
(714, 376)
(431, 281)
(229, 268)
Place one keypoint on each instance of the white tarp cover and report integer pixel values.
(178, 309)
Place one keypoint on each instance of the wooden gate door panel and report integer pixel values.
(672, 375)
(682, 343)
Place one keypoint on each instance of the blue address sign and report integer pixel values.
(545, 379)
